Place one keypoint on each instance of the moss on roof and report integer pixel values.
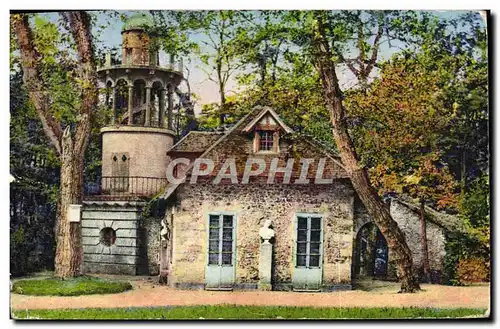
(138, 21)
(196, 141)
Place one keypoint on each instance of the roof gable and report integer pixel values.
(267, 112)
(235, 135)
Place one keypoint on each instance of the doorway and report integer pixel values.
(308, 255)
(372, 253)
(220, 270)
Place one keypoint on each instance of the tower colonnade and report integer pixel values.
(138, 88)
(139, 91)
(141, 104)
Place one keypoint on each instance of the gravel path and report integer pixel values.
(147, 294)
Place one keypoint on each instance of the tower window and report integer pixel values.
(128, 55)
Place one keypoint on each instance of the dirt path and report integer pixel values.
(147, 294)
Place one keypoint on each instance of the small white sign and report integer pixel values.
(74, 211)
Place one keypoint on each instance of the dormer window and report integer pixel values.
(266, 141)
(266, 129)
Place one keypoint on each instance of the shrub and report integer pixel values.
(468, 253)
(472, 270)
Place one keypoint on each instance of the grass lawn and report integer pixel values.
(247, 312)
(84, 285)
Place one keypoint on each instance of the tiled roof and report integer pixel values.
(215, 138)
(196, 141)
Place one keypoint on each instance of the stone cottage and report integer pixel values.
(288, 220)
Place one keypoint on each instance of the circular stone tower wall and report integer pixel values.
(135, 157)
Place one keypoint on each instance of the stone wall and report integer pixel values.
(409, 222)
(145, 147)
(136, 248)
(150, 228)
(138, 43)
(253, 204)
(123, 255)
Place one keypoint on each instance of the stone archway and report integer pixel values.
(371, 255)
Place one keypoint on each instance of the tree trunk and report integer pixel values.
(359, 176)
(71, 150)
(68, 235)
(222, 105)
(423, 243)
(463, 171)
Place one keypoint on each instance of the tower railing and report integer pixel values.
(124, 188)
(176, 66)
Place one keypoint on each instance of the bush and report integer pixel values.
(468, 253)
(463, 252)
(31, 231)
(83, 285)
(472, 270)
(31, 249)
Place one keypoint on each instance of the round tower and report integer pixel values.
(140, 93)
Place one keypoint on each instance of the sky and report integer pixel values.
(206, 90)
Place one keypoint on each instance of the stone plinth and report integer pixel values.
(265, 265)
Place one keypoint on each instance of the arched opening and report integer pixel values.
(372, 253)
(109, 95)
(156, 106)
(139, 92)
(139, 101)
(121, 103)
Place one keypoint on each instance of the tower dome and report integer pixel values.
(139, 21)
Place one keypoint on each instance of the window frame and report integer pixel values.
(257, 141)
(308, 241)
(221, 215)
(266, 139)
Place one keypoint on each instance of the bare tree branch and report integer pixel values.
(376, 46)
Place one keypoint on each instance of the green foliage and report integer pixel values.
(235, 108)
(33, 195)
(83, 285)
(58, 69)
(468, 255)
(475, 205)
(398, 123)
(173, 30)
(462, 251)
(248, 313)
(18, 236)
